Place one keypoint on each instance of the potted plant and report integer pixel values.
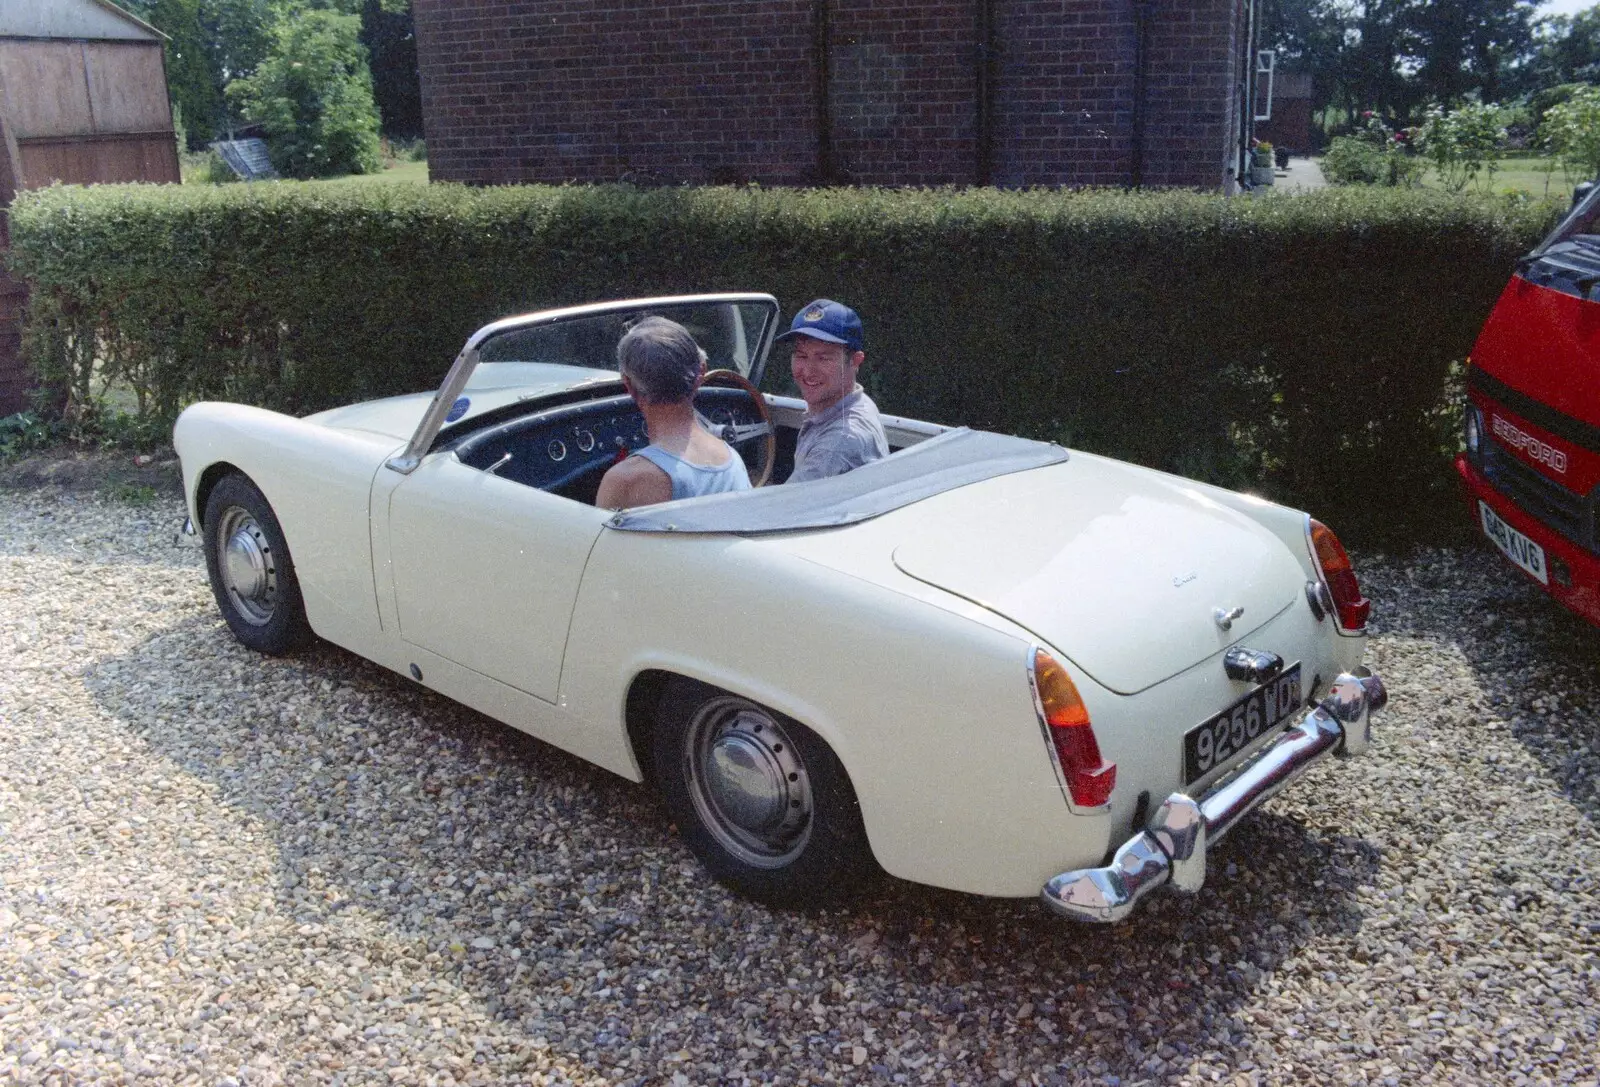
(1261, 163)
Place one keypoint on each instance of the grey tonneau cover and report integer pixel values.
(950, 460)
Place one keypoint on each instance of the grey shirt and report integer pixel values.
(838, 438)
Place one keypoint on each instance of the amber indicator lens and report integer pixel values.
(1089, 778)
(1351, 606)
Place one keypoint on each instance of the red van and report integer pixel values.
(1532, 423)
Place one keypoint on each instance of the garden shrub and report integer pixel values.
(1300, 344)
(1373, 156)
(1571, 130)
(313, 95)
(1462, 143)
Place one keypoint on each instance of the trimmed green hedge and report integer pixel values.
(1303, 344)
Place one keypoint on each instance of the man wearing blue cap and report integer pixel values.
(841, 429)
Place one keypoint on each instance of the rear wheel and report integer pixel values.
(252, 575)
(759, 798)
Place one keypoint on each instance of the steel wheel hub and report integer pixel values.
(246, 565)
(748, 783)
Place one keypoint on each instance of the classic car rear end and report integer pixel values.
(1098, 652)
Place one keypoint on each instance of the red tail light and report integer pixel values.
(1089, 780)
(1340, 576)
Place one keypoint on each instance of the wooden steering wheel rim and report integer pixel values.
(732, 379)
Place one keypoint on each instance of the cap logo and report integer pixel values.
(814, 314)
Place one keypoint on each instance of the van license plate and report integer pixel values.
(1266, 709)
(1513, 544)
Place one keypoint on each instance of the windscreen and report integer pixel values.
(730, 333)
(1569, 259)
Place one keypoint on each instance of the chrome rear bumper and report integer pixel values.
(1173, 849)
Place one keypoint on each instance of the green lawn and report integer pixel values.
(412, 172)
(416, 172)
(1533, 175)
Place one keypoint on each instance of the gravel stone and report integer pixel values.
(223, 868)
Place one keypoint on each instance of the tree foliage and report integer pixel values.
(213, 42)
(1567, 50)
(1397, 56)
(313, 95)
(1467, 47)
(209, 43)
(388, 32)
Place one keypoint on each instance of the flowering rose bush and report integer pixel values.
(1461, 144)
(1571, 131)
(1376, 155)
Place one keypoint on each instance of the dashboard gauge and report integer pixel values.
(557, 449)
(585, 440)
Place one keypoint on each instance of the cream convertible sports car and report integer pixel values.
(981, 663)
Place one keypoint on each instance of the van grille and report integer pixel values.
(1572, 515)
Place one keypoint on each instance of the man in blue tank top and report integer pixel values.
(661, 368)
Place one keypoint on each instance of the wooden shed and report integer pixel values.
(83, 99)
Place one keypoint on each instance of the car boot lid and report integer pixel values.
(1131, 574)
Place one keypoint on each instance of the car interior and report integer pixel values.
(565, 443)
(566, 449)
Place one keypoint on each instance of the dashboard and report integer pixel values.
(566, 449)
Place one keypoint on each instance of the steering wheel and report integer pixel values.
(735, 434)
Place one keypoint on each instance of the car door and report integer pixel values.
(485, 570)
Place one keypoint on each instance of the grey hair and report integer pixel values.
(661, 359)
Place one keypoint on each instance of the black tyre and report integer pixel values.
(252, 575)
(762, 802)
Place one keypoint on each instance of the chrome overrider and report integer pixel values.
(1172, 851)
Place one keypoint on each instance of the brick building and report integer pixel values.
(799, 92)
(1289, 121)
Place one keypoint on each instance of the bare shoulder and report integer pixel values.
(633, 482)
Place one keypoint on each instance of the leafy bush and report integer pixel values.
(208, 169)
(1373, 156)
(405, 150)
(1352, 160)
(24, 432)
(313, 94)
(1462, 144)
(1298, 344)
(1571, 129)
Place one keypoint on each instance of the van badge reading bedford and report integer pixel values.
(1542, 452)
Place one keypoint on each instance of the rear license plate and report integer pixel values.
(1513, 544)
(1265, 709)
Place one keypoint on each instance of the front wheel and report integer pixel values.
(762, 802)
(252, 575)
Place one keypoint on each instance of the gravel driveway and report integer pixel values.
(220, 868)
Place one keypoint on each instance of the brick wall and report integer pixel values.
(691, 90)
(902, 88)
(559, 89)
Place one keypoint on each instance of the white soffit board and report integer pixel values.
(95, 19)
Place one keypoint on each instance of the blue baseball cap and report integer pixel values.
(828, 321)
